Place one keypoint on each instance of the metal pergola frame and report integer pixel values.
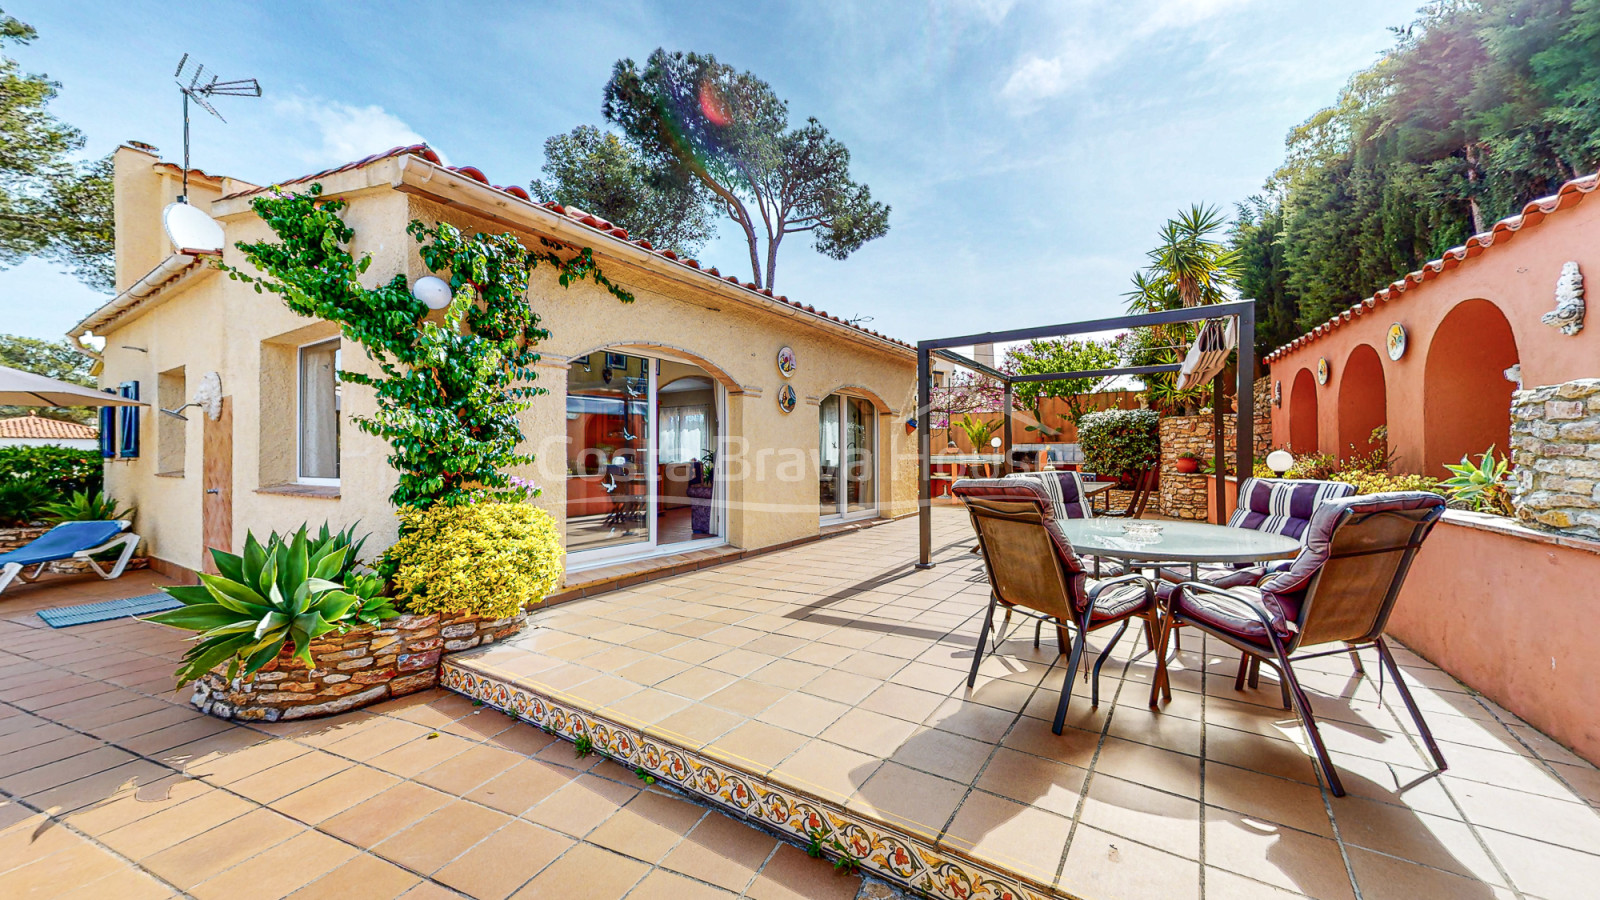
(1244, 419)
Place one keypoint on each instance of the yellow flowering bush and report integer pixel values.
(1380, 482)
(488, 558)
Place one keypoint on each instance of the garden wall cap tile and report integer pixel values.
(571, 213)
(1568, 196)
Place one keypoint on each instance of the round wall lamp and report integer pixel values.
(433, 291)
(1280, 462)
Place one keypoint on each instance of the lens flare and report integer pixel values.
(712, 105)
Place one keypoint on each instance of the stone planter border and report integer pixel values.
(358, 668)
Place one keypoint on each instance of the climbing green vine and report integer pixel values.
(450, 391)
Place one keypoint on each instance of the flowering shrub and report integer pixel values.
(1379, 482)
(486, 558)
(1118, 442)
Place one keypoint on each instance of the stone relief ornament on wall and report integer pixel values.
(1568, 314)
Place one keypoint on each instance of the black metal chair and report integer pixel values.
(1340, 589)
(1032, 567)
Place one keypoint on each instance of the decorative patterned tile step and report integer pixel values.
(775, 801)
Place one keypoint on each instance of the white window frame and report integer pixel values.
(299, 394)
(842, 512)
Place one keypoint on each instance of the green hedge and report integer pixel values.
(61, 470)
(1120, 442)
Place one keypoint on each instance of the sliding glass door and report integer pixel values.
(642, 435)
(846, 459)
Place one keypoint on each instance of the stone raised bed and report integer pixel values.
(12, 538)
(355, 669)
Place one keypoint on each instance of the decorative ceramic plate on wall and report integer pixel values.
(786, 398)
(1397, 341)
(786, 362)
(1322, 370)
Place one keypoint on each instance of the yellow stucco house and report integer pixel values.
(673, 424)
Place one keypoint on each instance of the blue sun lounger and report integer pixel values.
(70, 540)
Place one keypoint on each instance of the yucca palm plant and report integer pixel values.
(1480, 486)
(272, 595)
(1197, 265)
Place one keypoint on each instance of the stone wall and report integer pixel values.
(1263, 417)
(1555, 445)
(1184, 496)
(12, 538)
(352, 670)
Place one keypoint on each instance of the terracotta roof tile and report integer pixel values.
(1570, 195)
(39, 427)
(572, 214)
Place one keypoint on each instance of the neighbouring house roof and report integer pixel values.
(590, 221)
(37, 427)
(1570, 195)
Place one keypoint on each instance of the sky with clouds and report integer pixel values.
(1030, 151)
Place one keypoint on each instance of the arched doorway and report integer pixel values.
(1467, 405)
(1363, 404)
(1303, 413)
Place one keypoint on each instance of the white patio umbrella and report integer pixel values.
(1209, 353)
(19, 388)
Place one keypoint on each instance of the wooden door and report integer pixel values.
(216, 505)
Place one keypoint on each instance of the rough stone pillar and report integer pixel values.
(1555, 446)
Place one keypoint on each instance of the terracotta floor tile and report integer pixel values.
(420, 754)
(504, 861)
(1221, 882)
(123, 884)
(803, 713)
(902, 702)
(696, 683)
(1072, 746)
(190, 862)
(80, 864)
(830, 772)
(335, 794)
(648, 826)
(365, 876)
(279, 871)
(1544, 869)
(372, 821)
(1276, 855)
(465, 771)
(586, 871)
(721, 851)
(738, 662)
(747, 698)
(1034, 781)
(580, 806)
(376, 739)
(791, 875)
(136, 803)
(869, 732)
(1113, 867)
(98, 788)
(1387, 878)
(756, 746)
(1152, 766)
(1568, 823)
(944, 754)
(310, 768)
(664, 885)
(441, 836)
(1412, 835)
(697, 725)
(53, 774)
(1025, 840)
(908, 799)
(155, 833)
(1269, 799)
(1143, 814)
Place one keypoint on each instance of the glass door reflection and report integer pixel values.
(609, 424)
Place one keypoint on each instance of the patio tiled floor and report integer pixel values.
(837, 670)
(112, 786)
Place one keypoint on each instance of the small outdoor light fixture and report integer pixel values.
(1280, 462)
(995, 443)
(433, 291)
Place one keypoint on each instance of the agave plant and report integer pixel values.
(85, 507)
(1480, 486)
(272, 595)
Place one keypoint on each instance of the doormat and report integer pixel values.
(67, 616)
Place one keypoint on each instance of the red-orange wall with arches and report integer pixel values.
(1448, 393)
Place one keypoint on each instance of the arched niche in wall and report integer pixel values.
(1466, 396)
(1363, 401)
(1303, 413)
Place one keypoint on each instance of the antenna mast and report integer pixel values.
(200, 91)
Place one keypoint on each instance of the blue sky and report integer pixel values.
(1030, 151)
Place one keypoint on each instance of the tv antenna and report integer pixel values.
(201, 91)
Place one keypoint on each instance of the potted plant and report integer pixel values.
(1188, 463)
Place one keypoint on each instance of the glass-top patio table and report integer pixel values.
(1175, 542)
